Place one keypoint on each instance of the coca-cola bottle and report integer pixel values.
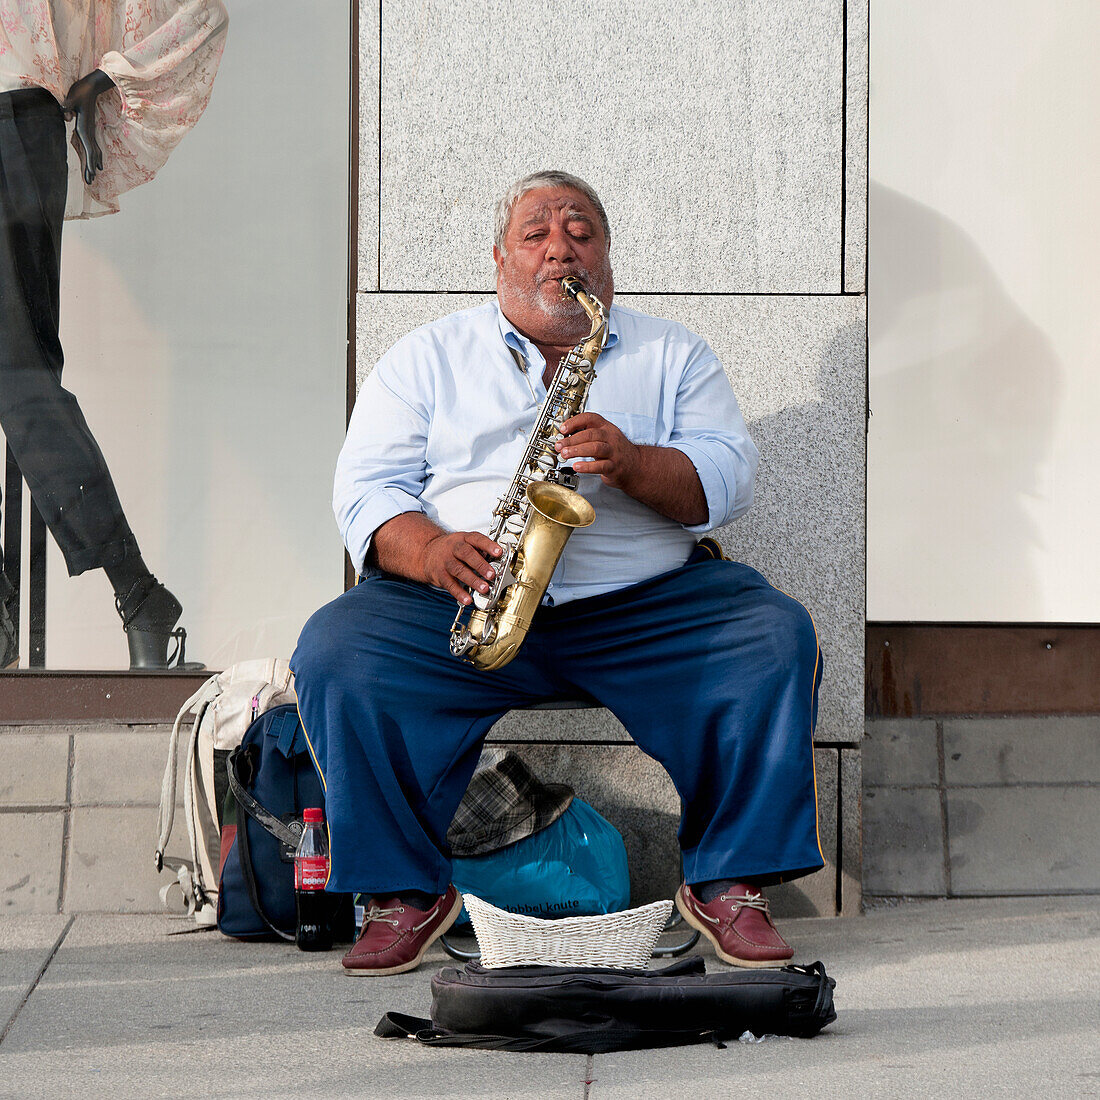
(314, 932)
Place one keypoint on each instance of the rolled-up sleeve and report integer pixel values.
(711, 431)
(381, 469)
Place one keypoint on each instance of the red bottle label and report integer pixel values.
(310, 873)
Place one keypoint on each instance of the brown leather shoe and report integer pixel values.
(739, 925)
(395, 936)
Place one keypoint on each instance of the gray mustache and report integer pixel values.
(577, 272)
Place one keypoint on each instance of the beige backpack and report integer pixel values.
(223, 708)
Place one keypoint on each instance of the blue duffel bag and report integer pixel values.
(272, 780)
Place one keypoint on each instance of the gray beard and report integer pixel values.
(563, 308)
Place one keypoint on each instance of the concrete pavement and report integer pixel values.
(945, 998)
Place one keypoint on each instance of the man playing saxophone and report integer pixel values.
(712, 671)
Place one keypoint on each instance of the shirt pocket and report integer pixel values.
(636, 427)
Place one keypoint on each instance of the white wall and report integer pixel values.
(205, 335)
(984, 274)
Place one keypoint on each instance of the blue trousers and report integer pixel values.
(712, 671)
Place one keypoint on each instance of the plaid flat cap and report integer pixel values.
(505, 802)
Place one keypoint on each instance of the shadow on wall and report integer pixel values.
(964, 391)
(804, 531)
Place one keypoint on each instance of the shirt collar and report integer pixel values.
(518, 342)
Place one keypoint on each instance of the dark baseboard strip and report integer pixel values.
(123, 697)
(917, 670)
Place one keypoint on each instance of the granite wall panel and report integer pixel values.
(716, 136)
(713, 132)
(369, 108)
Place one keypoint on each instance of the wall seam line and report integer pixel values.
(66, 826)
(843, 141)
(941, 765)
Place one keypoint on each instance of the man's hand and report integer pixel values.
(614, 457)
(459, 561)
(661, 477)
(80, 104)
(411, 545)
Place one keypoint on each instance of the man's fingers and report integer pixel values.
(589, 435)
(457, 591)
(581, 421)
(468, 580)
(459, 579)
(484, 544)
(596, 466)
(477, 568)
(597, 448)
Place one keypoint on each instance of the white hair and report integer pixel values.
(546, 178)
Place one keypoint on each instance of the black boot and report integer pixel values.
(149, 613)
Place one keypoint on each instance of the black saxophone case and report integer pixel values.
(591, 1010)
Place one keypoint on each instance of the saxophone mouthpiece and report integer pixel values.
(571, 285)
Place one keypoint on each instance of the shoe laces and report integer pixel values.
(746, 901)
(374, 913)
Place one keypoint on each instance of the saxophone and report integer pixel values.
(537, 514)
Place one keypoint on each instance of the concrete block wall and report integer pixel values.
(78, 818)
(79, 806)
(968, 807)
(729, 147)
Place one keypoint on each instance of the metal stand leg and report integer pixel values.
(457, 952)
(13, 532)
(13, 561)
(37, 608)
(673, 950)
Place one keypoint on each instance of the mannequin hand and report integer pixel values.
(80, 104)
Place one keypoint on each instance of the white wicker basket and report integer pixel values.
(612, 939)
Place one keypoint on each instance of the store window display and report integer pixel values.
(130, 77)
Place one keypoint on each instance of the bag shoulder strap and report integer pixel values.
(167, 814)
(244, 854)
(285, 834)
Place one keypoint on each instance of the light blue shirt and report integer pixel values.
(441, 424)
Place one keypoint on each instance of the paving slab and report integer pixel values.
(30, 872)
(944, 998)
(110, 867)
(1024, 840)
(25, 945)
(125, 767)
(125, 1006)
(933, 999)
(903, 842)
